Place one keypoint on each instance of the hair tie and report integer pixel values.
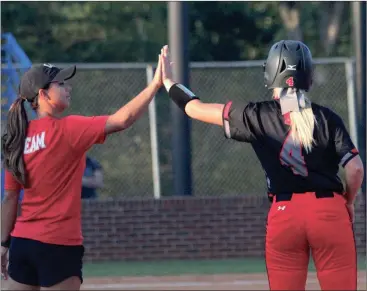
(289, 101)
(302, 100)
(292, 100)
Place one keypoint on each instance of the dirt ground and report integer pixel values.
(202, 282)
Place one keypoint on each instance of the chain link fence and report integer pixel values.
(126, 156)
(219, 166)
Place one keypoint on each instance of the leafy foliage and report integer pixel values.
(134, 32)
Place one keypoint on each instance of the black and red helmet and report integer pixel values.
(289, 65)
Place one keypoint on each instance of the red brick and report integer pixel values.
(182, 228)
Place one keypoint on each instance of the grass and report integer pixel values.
(186, 267)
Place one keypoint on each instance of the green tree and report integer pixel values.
(135, 32)
(87, 31)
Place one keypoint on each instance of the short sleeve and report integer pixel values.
(345, 149)
(238, 121)
(10, 182)
(83, 132)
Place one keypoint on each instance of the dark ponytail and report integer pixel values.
(13, 141)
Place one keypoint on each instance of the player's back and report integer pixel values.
(52, 195)
(46, 141)
(288, 167)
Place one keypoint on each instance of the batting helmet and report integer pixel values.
(289, 64)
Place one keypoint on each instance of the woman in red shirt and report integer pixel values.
(46, 157)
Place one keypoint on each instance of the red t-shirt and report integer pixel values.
(54, 157)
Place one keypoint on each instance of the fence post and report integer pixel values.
(359, 30)
(352, 110)
(154, 139)
(178, 35)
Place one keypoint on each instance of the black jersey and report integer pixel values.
(288, 168)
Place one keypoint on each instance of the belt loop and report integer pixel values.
(324, 194)
(270, 196)
(283, 196)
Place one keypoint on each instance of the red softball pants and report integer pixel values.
(307, 224)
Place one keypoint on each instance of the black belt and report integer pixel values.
(287, 196)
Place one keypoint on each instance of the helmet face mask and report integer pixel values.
(289, 65)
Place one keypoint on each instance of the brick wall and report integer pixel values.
(182, 228)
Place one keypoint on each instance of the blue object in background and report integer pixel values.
(14, 62)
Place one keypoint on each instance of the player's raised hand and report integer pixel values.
(166, 66)
(157, 79)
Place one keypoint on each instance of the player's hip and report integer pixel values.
(300, 208)
(35, 263)
(51, 231)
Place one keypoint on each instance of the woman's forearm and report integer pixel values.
(9, 210)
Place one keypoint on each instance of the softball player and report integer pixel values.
(300, 146)
(47, 158)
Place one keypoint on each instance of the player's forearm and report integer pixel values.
(353, 185)
(193, 107)
(205, 112)
(9, 210)
(353, 178)
(132, 111)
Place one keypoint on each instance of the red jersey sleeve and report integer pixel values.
(10, 182)
(345, 149)
(83, 132)
(238, 121)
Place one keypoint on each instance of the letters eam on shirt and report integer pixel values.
(54, 156)
(35, 143)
